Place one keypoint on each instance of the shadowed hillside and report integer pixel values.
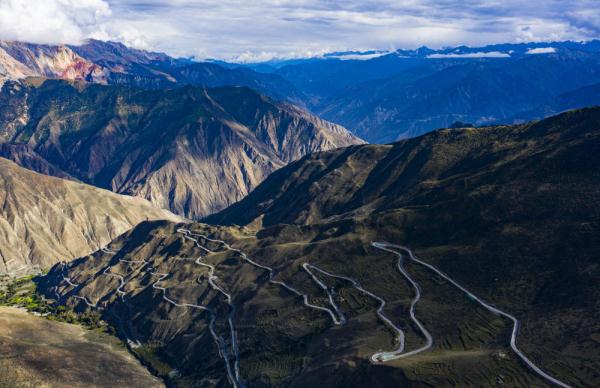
(510, 213)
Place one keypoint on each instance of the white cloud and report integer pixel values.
(488, 54)
(359, 56)
(51, 21)
(266, 29)
(541, 50)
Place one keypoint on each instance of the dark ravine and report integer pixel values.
(510, 213)
(191, 150)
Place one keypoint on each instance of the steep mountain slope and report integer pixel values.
(191, 150)
(44, 220)
(357, 181)
(510, 213)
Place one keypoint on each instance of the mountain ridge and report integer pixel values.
(193, 150)
(114, 63)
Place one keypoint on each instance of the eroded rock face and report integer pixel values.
(191, 150)
(45, 219)
(19, 60)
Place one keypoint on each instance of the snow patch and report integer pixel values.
(488, 54)
(541, 50)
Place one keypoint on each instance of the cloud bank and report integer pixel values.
(265, 29)
(51, 21)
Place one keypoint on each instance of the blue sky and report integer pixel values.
(262, 29)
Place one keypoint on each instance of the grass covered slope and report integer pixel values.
(44, 220)
(38, 352)
(511, 213)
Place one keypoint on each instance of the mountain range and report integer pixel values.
(289, 290)
(192, 150)
(114, 63)
(294, 254)
(380, 96)
(406, 93)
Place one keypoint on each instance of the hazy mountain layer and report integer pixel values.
(409, 92)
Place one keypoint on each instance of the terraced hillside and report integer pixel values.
(504, 225)
(167, 293)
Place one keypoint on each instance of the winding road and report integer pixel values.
(271, 272)
(394, 355)
(513, 338)
(221, 345)
(400, 337)
(231, 359)
(232, 332)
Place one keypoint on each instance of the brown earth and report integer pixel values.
(37, 352)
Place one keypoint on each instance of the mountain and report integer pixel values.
(291, 291)
(579, 98)
(192, 150)
(45, 220)
(409, 92)
(114, 63)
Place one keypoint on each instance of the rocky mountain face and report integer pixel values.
(44, 220)
(299, 295)
(19, 60)
(192, 150)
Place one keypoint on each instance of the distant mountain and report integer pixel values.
(409, 92)
(192, 150)
(579, 98)
(114, 63)
(295, 293)
(45, 219)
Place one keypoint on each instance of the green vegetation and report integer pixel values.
(23, 293)
(152, 361)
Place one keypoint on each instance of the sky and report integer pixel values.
(256, 30)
